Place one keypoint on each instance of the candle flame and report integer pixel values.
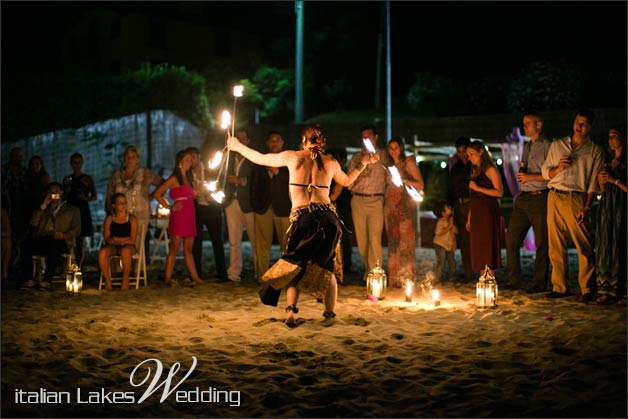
(238, 90)
(215, 162)
(435, 295)
(226, 120)
(218, 196)
(369, 145)
(414, 194)
(396, 176)
(408, 289)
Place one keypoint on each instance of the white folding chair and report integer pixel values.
(138, 270)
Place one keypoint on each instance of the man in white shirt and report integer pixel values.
(571, 169)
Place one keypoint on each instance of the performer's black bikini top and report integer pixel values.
(310, 186)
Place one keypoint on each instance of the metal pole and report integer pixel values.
(298, 77)
(388, 76)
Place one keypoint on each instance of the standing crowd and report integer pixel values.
(306, 202)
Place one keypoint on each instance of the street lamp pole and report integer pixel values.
(298, 77)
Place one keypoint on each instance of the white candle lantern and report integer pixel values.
(436, 297)
(376, 283)
(486, 290)
(74, 280)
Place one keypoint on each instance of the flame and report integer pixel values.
(435, 295)
(369, 145)
(396, 176)
(215, 162)
(408, 289)
(226, 120)
(238, 90)
(414, 194)
(212, 186)
(218, 196)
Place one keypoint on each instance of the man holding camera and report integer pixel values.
(571, 168)
(54, 226)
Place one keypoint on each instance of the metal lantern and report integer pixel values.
(74, 280)
(486, 290)
(376, 283)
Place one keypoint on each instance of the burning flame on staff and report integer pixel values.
(215, 162)
(369, 146)
(397, 181)
(226, 120)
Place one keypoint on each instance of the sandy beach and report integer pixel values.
(90, 355)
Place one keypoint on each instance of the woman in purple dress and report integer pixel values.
(182, 226)
(483, 222)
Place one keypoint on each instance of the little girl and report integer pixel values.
(445, 241)
(120, 234)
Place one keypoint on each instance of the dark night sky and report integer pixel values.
(466, 40)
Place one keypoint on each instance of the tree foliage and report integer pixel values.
(269, 90)
(433, 95)
(545, 85)
(74, 100)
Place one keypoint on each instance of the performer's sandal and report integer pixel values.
(329, 314)
(293, 308)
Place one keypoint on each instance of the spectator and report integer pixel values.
(80, 190)
(530, 209)
(7, 241)
(56, 226)
(399, 213)
(120, 236)
(610, 231)
(270, 200)
(445, 241)
(209, 214)
(182, 225)
(483, 222)
(367, 203)
(341, 197)
(238, 209)
(37, 180)
(571, 167)
(134, 181)
(14, 186)
(459, 193)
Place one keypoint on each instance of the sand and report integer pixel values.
(529, 357)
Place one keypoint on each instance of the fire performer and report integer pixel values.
(308, 262)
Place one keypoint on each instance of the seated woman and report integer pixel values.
(120, 234)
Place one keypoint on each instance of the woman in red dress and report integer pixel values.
(483, 224)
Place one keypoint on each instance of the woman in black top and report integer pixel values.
(120, 234)
(79, 190)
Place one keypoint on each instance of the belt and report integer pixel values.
(367, 195)
(542, 191)
(463, 200)
(558, 191)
